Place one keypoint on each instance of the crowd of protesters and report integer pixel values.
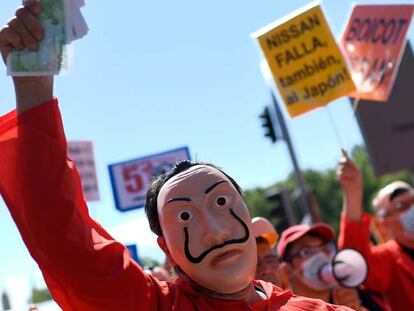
(301, 248)
(221, 259)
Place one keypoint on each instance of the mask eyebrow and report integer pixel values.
(209, 189)
(177, 199)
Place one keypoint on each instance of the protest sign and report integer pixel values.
(388, 129)
(374, 41)
(81, 153)
(133, 252)
(131, 179)
(306, 63)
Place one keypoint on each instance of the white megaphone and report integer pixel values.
(348, 268)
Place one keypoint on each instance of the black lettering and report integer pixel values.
(401, 23)
(279, 59)
(317, 43)
(385, 39)
(272, 42)
(285, 36)
(304, 27)
(353, 30)
(366, 25)
(307, 93)
(292, 56)
(294, 31)
(314, 21)
(376, 37)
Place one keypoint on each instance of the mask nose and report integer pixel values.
(214, 233)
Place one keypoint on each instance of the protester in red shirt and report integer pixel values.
(197, 211)
(304, 249)
(390, 264)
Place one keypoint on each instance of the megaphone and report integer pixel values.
(348, 268)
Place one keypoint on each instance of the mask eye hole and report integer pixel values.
(222, 201)
(184, 216)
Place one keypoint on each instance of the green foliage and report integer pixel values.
(149, 262)
(40, 295)
(326, 189)
(256, 202)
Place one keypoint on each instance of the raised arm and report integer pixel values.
(84, 267)
(24, 30)
(350, 179)
(355, 226)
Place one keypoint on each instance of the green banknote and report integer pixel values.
(52, 56)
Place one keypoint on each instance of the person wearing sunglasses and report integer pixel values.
(390, 264)
(304, 249)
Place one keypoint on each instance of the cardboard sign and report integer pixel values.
(81, 153)
(388, 129)
(306, 63)
(130, 180)
(374, 41)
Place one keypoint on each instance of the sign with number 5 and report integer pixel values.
(131, 179)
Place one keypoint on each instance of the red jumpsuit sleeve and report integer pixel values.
(356, 235)
(84, 267)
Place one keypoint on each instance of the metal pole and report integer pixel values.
(298, 176)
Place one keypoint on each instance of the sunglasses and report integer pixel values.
(310, 250)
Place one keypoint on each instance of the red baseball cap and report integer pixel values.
(294, 233)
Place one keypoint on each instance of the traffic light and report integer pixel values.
(281, 209)
(267, 123)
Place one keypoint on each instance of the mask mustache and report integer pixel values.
(199, 258)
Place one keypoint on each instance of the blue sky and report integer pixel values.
(152, 76)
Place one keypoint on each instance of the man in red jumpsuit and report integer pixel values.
(391, 264)
(197, 211)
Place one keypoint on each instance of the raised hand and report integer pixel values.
(25, 31)
(349, 176)
(350, 179)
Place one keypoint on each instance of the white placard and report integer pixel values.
(131, 179)
(81, 153)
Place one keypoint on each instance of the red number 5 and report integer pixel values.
(132, 178)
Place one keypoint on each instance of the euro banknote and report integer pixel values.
(63, 23)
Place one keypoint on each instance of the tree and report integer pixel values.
(149, 262)
(325, 188)
(40, 295)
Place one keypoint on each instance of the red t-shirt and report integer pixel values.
(84, 267)
(390, 269)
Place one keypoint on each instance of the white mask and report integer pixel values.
(311, 271)
(407, 221)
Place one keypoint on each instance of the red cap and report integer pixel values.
(294, 233)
